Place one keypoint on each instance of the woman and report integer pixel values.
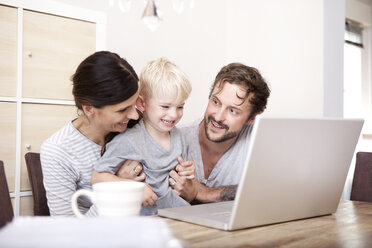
(105, 89)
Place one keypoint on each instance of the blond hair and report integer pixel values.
(162, 77)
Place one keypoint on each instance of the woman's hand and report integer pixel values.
(131, 170)
(149, 197)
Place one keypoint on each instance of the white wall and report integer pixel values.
(194, 40)
(333, 57)
(284, 39)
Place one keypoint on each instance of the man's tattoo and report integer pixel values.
(228, 193)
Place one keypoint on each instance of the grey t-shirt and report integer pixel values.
(228, 169)
(137, 144)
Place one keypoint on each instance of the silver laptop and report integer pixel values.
(295, 169)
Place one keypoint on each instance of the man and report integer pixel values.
(217, 144)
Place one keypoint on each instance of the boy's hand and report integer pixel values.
(149, 197)
(131, 170)
(185, 169)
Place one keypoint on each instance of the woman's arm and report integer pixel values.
(149, 197)
(131, 170)
(60, 181)
(98, 177)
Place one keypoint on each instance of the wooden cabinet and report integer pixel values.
(26, 206)
(8, 112)
(39, 52)
(8, 51)
(53, 47)
(39, 121)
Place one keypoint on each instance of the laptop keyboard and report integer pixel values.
(222, 214)
(221, 211)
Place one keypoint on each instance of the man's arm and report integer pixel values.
(194, 191)
(206, 194)
(228, 193)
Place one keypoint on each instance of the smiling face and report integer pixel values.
(115, 118)
(160, 113)
(227, 112)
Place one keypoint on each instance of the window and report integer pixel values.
(353, 52)
(357, 86)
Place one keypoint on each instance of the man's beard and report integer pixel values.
(228, 135)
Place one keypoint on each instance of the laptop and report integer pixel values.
(295, 169)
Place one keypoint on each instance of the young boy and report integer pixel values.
(154, 141)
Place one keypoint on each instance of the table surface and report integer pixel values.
(350, 226)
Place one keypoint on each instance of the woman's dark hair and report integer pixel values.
(103, 78)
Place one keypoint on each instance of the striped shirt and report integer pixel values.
(67, 159)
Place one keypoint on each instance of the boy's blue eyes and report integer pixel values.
(167, 107)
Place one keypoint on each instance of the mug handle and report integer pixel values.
(76, 195)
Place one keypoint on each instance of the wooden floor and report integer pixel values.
(350, 226)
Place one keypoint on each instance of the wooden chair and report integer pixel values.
(6, 212)
(361, 189)
(35, 175)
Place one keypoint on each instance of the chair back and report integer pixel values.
(6, 212)
(361, 189)
(35, 175)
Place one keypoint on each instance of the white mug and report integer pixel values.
(112, 199)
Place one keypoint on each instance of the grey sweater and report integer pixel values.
(137, 144)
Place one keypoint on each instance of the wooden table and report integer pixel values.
(350, 226)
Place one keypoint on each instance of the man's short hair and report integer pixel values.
(248, 77)
(162, 77)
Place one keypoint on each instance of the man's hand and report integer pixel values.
(182, 180)
(186, 188)
(131, 170)
(192, 190)
(149, 197)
